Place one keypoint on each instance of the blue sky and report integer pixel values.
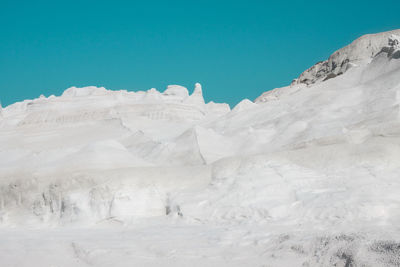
(236, 49)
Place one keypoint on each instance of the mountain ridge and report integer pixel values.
(362, 49)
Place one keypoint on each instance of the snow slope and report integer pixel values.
(307, 175)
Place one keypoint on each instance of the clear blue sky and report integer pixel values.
(236, 49)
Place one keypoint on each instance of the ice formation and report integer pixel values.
(307, 175)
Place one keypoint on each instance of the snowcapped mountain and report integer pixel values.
(307, 175)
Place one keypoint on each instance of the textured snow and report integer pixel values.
(307, 175)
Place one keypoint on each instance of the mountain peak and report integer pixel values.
(360, 52)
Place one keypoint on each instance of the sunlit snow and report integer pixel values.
(306, 175)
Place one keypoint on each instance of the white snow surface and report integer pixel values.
(307, 175)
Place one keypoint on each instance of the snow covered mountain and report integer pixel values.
(307, 175)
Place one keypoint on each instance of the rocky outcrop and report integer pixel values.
(393, 48)
(359, 52)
